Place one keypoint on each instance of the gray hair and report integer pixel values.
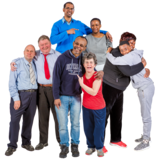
(89, 56)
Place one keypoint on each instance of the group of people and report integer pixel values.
(55, 79)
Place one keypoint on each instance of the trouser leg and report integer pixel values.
(116, 119)
(88, 124)
(28, 117)
(110, 95)
(43, 110)
(14, 124)
(52, 106)
(145, 98)
(62, 116)
(75, 110)
(99, 127)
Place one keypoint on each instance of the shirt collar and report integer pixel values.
(73, 54)
(26, 62)
(50, 52)
(63, 21)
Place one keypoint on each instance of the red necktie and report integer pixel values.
(46, 68)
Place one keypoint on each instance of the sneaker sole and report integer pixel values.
(141, 141)
(88, 154)
(100, 156)
(117, 145)
(143, 149)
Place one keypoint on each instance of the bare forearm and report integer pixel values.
(109, 50)
(89, 90)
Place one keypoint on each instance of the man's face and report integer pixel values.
(68, 10)
(45, 46)
(95, 26)
(79, 45)
(89, 65)
(29, 53)
(124, 49)
(132, 44)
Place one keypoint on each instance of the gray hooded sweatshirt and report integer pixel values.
(132, 58)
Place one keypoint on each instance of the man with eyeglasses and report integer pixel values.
(65, 31)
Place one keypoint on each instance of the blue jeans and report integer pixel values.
(72, 104)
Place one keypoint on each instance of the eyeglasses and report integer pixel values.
(72, 9)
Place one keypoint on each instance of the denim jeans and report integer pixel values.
(72, 104)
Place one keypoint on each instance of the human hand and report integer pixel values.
(72, 31)
(80, 79)
(146, 75)
(57, 103)
(144, 62)
(109, 50)
(109, 36)
(99, 75)
(17, 104)
(13, 68)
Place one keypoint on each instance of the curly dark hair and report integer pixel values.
(126, 36)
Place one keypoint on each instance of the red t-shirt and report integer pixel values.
(92, 102)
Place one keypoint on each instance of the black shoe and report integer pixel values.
(28, 147)
(74, 150)
(9, 151)
(64, 151)
(41, 146)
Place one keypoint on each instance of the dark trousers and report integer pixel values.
(27, 109)
(94, 126)
(46, 102)
(114, 107)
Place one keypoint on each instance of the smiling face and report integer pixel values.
(45, 46)
(29, 53)
(68, 10)
(89, 65)
(95, 26)
(132, 43)
(79, 45)
(124, 49)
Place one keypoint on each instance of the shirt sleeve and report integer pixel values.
(15, 60)
(13, 85)
(108, 43)
(56, 36)
(131, 70)
(56, 79)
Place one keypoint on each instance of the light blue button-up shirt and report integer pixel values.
(20, 79)
(39, 61)
(64, 21)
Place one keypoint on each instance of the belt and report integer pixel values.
(29, 90)
(45, 85)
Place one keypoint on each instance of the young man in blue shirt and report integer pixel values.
(65, 31)
(23, 91)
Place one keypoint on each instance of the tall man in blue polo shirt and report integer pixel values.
(45, 59)
(65, 31)
(23, 91)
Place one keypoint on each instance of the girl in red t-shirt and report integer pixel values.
(94, 110)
